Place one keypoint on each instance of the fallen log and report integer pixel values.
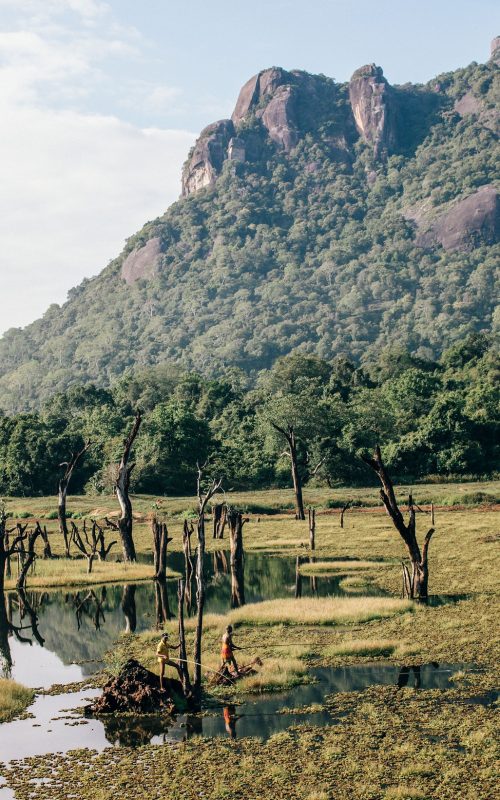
(227, 677)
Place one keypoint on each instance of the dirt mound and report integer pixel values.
(226, 676)
(137, 690)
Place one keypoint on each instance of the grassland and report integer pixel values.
(387, 743)
(14, 698)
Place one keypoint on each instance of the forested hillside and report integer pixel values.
(329, 219)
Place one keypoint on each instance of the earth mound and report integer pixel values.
(137, 690)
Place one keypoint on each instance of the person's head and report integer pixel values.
(229, 629)
(164, 636)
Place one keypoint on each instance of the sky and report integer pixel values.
(100, 102)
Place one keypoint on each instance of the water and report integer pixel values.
(58, 724)
(78, 627)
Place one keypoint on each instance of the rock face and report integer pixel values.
(137, 690)
(373, 108)
(142, 262)
(467, 224)
(262, 85)
(495, 50)
(207, 158)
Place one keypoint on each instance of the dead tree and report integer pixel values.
(289, 434)
(29, 554)
(63, 491)
(102, 548)
(342, 512)
(91, 545)
(122, 486)
(47, 551)
(187, 532)
(311, 513)
(416, 584)
(160, 544)
(235, 523)
(203, 499)
(219, 520)
(184, 671)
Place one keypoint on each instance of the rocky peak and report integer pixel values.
(205, 162)
(373, 108)
(261, 85)
(272, 94)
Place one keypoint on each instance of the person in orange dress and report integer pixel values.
(228, 648)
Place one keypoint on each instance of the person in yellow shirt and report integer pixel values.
(163, 656)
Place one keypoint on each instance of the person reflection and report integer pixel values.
(230, 718)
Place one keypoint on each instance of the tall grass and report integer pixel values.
(13, 699)
(326, 567)
(310, 611)
(73, 572)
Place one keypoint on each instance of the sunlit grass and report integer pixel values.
(348, 564)
(73, 572)
(13, 699)
(362, 647)
(309, 611)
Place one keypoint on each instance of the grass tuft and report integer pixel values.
(13, 698)
(363, 647)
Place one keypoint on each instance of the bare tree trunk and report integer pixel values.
(289, 435)
(344, 509)
(415, 585)
(63, 491)
(186, 683)
(297, 483)
(122, 486)
(203, 499)
(218, 520)
(312, 528)
(187, 532)
(29, 558)
(160, 544)
(432, 514)
(235, 522)
(47, 551)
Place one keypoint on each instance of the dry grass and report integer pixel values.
(73, 572)
(310, 611)
(404, 793)
(13, 699)
(327, 567)
(363, 647)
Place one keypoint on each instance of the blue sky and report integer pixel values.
(100, 102)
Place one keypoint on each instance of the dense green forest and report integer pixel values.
(313, 251)
(430, 418)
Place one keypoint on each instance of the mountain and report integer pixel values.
(322, 217)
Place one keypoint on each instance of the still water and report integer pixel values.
(78, 627)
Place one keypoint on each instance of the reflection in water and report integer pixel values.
(80, 626)
(129, 608)
(163, 613)
(59, 726)
(230, 717)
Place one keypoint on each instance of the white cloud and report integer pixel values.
(73, 188)
(75, 183)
